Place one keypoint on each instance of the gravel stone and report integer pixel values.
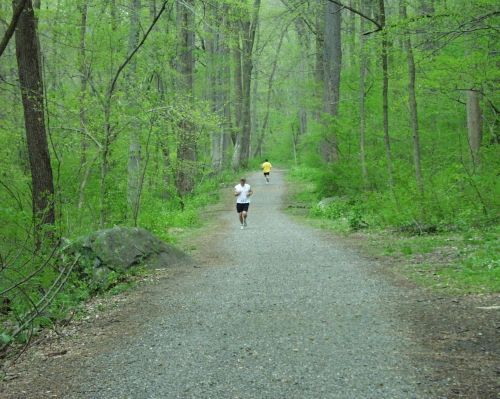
(283, 312)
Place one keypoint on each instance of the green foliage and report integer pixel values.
(5, 338)
(475, 267)
(454, 48)
(458, 238)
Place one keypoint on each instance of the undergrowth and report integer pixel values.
(455, 251)
(39, 291)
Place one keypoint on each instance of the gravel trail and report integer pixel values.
(281, 311)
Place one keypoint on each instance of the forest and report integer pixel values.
(134, 112)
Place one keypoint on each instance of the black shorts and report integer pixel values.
(266, 173)
(242, 207)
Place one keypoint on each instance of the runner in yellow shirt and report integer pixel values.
(266, 167)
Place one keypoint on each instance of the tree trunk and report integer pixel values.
(114, 16)
(320, 27)
(412, 102)
(238, 94)
(304, 73)
(225, 86)
(212, 44)
(83, 71)
(385, 93)
(134, 150)
(31, 84)
(333, 64)
(186, 148)
(258, 147)
(363, 69)
(249, 31)
(474, 124)
(352, 36)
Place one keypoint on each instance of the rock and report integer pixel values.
(120, 248)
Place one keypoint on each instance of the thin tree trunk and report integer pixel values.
(11, 28)
(83, 71)
(186, 148)
(134, 151)
(304, 73)
(225, 86)
(249, 31)
(238, 98)
(105, 152)
(352, 36)
(295, 141)
(362, 100)
(212, 44)
(333, 64)
(258, 147)
(114, 16)
(166, 177)
(255, 91)
(30, 79)
(412, 102)
(320, 40)
(109, 133)
(385, 94)
(53, 82)
(474, 124)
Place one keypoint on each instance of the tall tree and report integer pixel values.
(385, 91)
(249, 22)
(83, 72)
(305, 48)
(265, 123)
(352, 36)
(31, 84)
(134, 151)
(332, 68)
(238, 94)
(186, 147)
(412, 102)
(224, 83)
(474, 123)
(363, 69)
(217, 87)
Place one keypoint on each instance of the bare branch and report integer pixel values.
(12, 27)
(377, 24)
(294, 9)
(127, 60)
(83, 131)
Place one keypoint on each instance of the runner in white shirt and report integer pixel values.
(242, 192)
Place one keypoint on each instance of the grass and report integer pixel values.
(166, 219)
(454, 262)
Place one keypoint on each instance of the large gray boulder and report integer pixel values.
(121, 248)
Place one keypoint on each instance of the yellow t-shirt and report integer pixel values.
(266, 167)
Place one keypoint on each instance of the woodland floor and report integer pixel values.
(453, 341)
(460, 334)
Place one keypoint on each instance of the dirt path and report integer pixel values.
(278, 310)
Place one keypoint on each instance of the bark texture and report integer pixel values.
(30, 79)
(412, 104)
(186, 147)
(134, 151)
(363, 69)
(385, 92)
(332, 69)
(474, 124)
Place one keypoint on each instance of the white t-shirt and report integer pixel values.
(243, 197)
